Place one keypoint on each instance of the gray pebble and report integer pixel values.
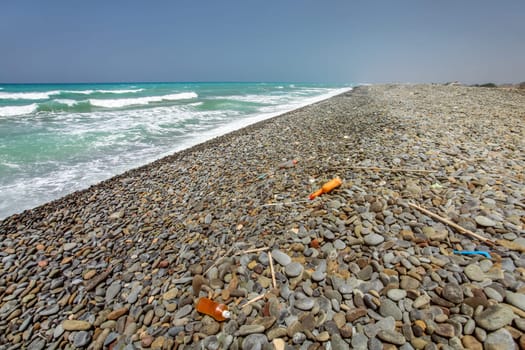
(293, 269)
(82, 338)
(373, 239)
(282, 258)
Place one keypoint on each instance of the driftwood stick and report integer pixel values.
(452, 224)
(253, 250)
(270, 259)
(259, 297)
(395, 170)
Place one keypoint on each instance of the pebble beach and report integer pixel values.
(429, 172)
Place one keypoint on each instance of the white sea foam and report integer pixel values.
(270, 99)
(27, 95)
(89, 92)
(81, 92)
(10, 111)
(123, 102)
(65, 101)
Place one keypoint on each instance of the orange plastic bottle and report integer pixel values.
(216, 310)
(327, 187)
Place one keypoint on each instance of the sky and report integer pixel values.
(330, 41)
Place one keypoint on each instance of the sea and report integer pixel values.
(59, 138)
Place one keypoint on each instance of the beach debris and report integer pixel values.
(502, 242)
(327, 187)
(472, 252)
(450, 223)
(214, 309)
(272, 270)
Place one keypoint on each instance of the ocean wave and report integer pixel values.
(10, 111)
(81, 92)
(124, 102)
(67, 102)
(27, 95)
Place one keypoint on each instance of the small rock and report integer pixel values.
(69, 246)
(116, 314)
(170, 294)
(339, 344)
(75, 325)
(184, 311)
(495, 317)
(408, 282)
(373, 239)
(250, 329)
(474, 272)
(293, 269)
(396, 294)
(453, 293)
(282, 258)
(391, 337)
(304, 304)
(500, 340)
(516, 299)
(484, 221)
(445, 330)
(81, 339)
(471, 343)
(389, 308)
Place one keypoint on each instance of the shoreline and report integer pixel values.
(129, 256)
(201, 138)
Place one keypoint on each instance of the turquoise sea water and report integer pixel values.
(59, 138)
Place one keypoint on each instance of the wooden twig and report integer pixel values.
(452, 224)
(270, 259)
(259, 297)
(255, 250)
(395, 170)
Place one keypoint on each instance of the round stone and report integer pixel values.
(516, 299)
(293, 269)
(484, 221)
(373, 239)
(396, 294)
(304, 304)
(389, 308)
(453, 292)
(474, 272)
(81, 339)
(282, 258)
(391, 337)
(495, 317)
(500, 340)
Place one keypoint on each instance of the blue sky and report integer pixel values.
(339, 41)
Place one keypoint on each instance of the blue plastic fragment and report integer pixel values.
(472, 252)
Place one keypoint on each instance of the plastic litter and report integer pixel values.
(216, 310)
(327, 187)
(473, 252)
